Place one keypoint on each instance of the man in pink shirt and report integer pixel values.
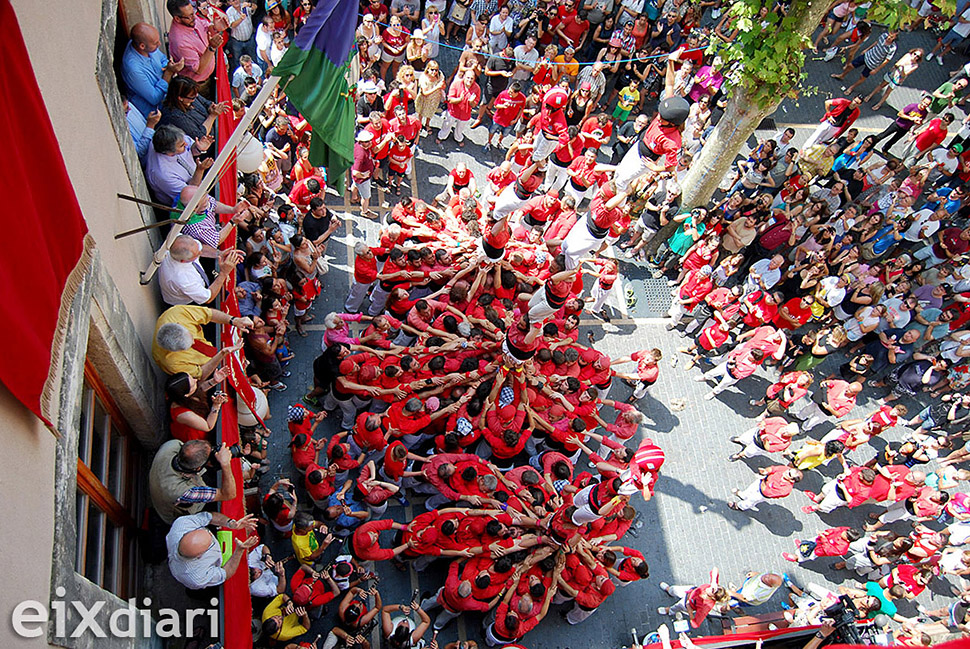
(195, 40)
(840, 399)
(775, 482)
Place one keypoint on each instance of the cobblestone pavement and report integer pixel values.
(687, 528)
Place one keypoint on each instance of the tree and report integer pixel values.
(762, 66)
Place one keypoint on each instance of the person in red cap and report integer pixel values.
(550, 122)
(312, 589)
(645, 467)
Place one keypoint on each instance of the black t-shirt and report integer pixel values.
(495, 85)
(651, 217)
(313, 227)
(628, 130)
(364, 109)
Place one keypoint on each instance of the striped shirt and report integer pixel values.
(198, 572)
(880, 52)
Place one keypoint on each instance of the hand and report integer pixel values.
(218, 109)
(248, 544)
(151, 121)
(204, 164)
(175, 66)
(223, 455)
(243, 324)
(288, 608)
(228, 259)
(220, 375)
(203, 143)
(300, 611)
(219, 399)
(248, 523)
(215, 40)
(828, 627)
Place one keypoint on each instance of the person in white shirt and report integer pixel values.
(194, 554)
(499, 30)
(170, 162)
(267, 578)
(182, 279)
(925, 224)
(943, 162)
(240, 16)
(246, 69)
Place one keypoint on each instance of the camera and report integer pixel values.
(235, 451)
(844, 614)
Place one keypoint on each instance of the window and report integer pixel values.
(109, 493)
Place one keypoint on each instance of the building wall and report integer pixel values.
(111, 320)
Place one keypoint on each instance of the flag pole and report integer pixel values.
(211, 175)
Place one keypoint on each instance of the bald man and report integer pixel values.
(183, 281)
(146, 70)
(194, 554)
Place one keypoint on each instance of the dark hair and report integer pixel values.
(179, 87)
(174, 7)
(166, 137)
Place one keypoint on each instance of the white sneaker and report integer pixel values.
(662, 610)
(665, 587)
(929, 57)
(830, 54)
(939, 60)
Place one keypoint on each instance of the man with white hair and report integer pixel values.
(195, 555)
(180, 346)
(182, 279)
(365, 274)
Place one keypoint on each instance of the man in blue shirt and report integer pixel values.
(146, 70)
(142, 128)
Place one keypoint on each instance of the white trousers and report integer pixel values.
(556, 177)
(356, 297)
(448, 122)
(822, 134)
(751, 497)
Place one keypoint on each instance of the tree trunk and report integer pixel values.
(741, 117)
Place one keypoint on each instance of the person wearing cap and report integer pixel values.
(942, 163)
(464, 94)
(418, 51)
(594, 76)
(659, 148)
(368, 101)
(362, 171)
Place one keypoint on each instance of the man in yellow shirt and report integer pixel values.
(180, 346)
(282, 621)
(307, 546)
(567, 64)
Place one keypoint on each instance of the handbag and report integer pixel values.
(458, 11)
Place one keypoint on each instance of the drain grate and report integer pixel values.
(658, 299)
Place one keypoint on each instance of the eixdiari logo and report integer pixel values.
(30, 619)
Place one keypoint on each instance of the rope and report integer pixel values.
(580, 63)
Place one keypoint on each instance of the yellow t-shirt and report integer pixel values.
(570, 69)
(291, 626)
(189, 361)
(304, 545)
(628, 98)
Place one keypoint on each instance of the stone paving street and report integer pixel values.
(687, 528)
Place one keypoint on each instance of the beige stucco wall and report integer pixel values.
(67, 80)
(62, 38)
(27, 509)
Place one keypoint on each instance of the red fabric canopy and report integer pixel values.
(47, 250)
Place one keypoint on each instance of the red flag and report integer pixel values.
(42, 266)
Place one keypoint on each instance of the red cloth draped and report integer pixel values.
(237, 603)
(39, 259)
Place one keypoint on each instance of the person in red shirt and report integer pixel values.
(305, 190)
(589, 233)
(833, 542)
(567, 149)
(539, 211)
(606, 273)
(775, 482)
(406, 125)
(511, 623)
(850, 489)
(312, 589)
(550, 122)
(454, 598)
(498, 179)
(695, 601)
(365, 542)
(771, 435)
(691, 293)
(365, 274)
(463, 95)
(508, 108)
(840, 399)
(585, 175)
(784, 392)
(590, 598)
(794, 313)
(648, 371)
(741, 363)
(399, 156)
(596, 131)
(320, 483)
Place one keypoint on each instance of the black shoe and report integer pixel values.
(604, 315)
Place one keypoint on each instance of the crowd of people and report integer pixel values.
(456, 373)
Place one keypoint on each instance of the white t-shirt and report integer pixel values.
(963, 29)
(940, 157)
(244, 30)
(498, 41)
(182, 283)
(896, 318)
(922, 219)
(525, 58)
(853, 326)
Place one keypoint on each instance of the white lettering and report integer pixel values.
(190, 616)
(129, 614)
(168, 624)
(88, 620)
(29, 612)
(60, 614)
(213, 614)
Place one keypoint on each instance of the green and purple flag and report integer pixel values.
(313, 72)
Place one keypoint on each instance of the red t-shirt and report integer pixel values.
(774, 484)
(508, 108)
